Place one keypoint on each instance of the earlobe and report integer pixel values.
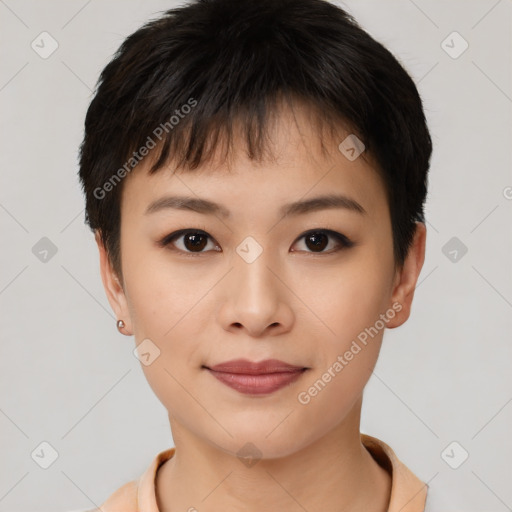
(406, 279)
(113, 288)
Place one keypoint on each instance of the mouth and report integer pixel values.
(256, 378)
(246, 367)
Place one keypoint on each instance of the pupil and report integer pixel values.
(318, 244)
(196, 240)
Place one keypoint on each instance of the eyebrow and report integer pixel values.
(301, 207)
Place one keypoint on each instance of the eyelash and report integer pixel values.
(344, 242)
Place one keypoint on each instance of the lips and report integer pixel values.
(256, 378)
(245, 367)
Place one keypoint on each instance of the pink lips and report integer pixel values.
(256, 378)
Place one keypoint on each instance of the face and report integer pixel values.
(314, 288)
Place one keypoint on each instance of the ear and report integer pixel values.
(405, 279)
(113, 288)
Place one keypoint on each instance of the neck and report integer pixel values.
(336, 473)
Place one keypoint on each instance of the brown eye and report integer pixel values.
(194, 241)
(316, 241)
(188, 241)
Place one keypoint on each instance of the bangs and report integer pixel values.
(201, 139)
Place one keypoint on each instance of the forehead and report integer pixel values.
(299, 162)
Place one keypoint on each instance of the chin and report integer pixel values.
(251, 444)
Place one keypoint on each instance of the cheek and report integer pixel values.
(160, 294)
(347, 325)
(163, 306)
(347, 298)
(351, 308)
(164, 309)
(331, 392)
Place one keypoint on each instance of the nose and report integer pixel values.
(256, 298)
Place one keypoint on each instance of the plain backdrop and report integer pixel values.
(442, 389)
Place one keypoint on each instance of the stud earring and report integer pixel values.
(120, 325)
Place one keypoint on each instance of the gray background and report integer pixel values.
(70, 379)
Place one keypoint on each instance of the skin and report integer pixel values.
(291, 303)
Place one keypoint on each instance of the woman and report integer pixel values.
(255, 175)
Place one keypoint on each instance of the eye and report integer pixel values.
(195, 241)
(318, 239)
(189, 240)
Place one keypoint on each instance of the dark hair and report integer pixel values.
(198, 70)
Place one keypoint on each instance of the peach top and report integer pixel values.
(408, 492)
